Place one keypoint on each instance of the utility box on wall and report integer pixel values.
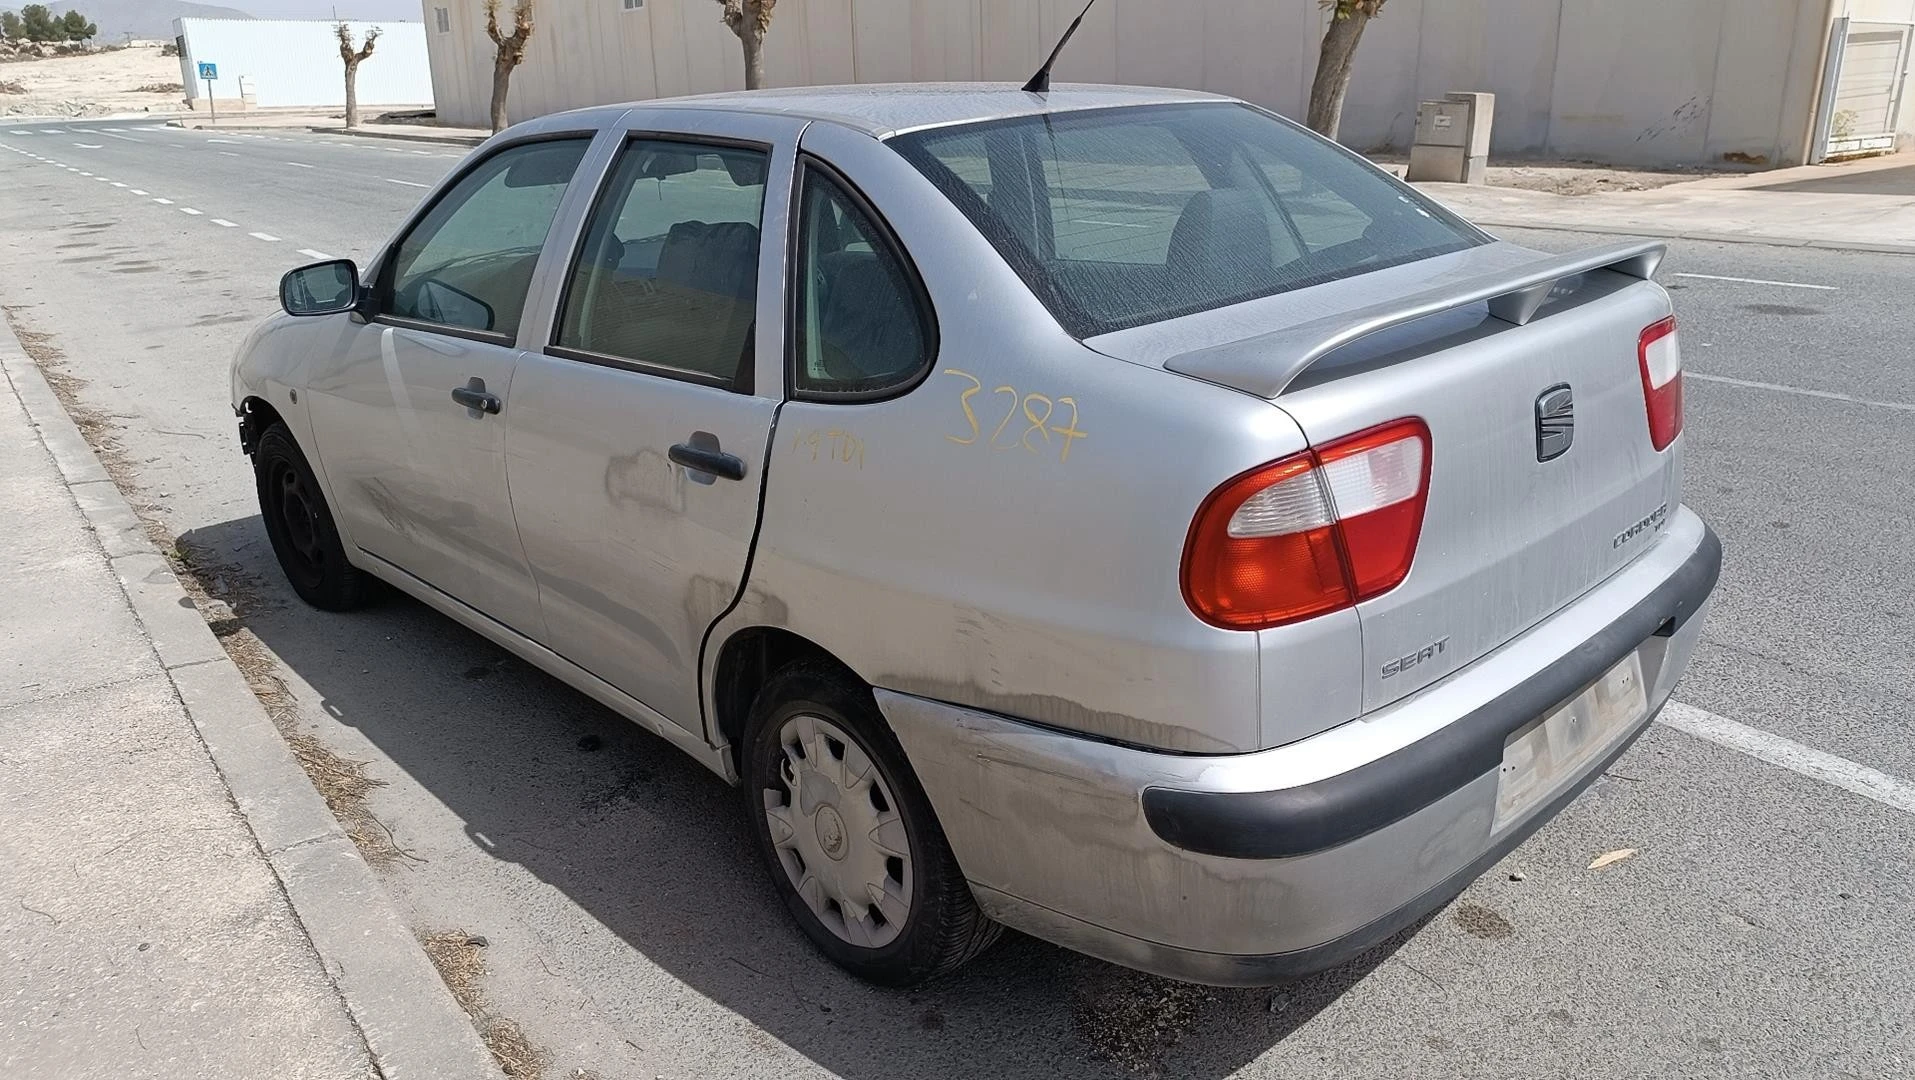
(1452, 139)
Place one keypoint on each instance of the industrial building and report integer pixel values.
(1643, 82)
(293, 63)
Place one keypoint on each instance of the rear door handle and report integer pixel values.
(712, 461)
(473, 396)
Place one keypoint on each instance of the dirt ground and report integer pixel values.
(96, 84)
(1571, 177)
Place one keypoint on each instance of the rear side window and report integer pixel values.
(469, 261)
(1120, 217)
(667, 278)
(862, 322)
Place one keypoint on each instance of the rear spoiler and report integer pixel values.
(1266, 364)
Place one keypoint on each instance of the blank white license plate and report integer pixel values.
(1539, 758)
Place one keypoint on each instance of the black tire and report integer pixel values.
(301, 529)
(944, 927)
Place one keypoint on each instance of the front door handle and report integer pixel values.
(473, 396)
(710, 460)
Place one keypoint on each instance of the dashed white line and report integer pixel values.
(116, 183)
(228, 153)
(223, 142)
(1776, 750)
(318, 255)
(137, 191)
(223, 223)
(52, 131)
(90, 146)
(268, 237)
(407, 183)
(102, 179)
(1758, 281)
(189, 210)
(163, 202)
(19, 132)
(299, 165)
(86, 174)
(117, 135)
(1801, 391)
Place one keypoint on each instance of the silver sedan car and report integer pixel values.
(1115, 514)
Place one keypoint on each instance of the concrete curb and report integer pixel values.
(361, 133)
(412, 1026)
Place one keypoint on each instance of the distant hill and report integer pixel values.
(147, 19)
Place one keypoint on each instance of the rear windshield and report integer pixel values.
(1120, 217)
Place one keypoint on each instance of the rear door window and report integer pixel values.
(667, 277)
(1121, 217)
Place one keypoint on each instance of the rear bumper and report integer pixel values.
(1255, 868)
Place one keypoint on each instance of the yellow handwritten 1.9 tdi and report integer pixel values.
(1037, 412)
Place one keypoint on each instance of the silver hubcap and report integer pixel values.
(838, 835)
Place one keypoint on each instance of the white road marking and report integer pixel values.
(189, 210)
(228, 153)
(299, 165)
(137, 191)
(90, 146)
(116, 183)
(268, 237)
(319, 255)
(1758, 281)
(1830, 395)
(84, 173)
(52, 131)
(163, 202)
(423, 153)
(407, 183)
(223, 142)
(19, 132)
(1776, 750)
(102, 179)
(223, 223)
(117, 135)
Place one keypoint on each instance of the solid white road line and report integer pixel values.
(407, 183)
(1830, 395)
(223, 223)
(317, 255)
(268, 237)
(1776, 750)
(1758, 281)
(189, 210)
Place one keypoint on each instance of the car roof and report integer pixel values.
(886, 109)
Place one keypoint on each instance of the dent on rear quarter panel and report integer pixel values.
(989, 557)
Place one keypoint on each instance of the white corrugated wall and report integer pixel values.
(295, 63)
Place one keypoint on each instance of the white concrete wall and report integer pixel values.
(296, 63)
(1630, 81)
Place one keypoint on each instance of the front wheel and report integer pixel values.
(848, 836)
(301, 529)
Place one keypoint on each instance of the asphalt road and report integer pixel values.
(1766, 927)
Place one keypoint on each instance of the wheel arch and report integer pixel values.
(748, 658)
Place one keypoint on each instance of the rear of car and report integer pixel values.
(1469, 591)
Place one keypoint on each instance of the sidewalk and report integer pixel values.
(175, 899)
(328, 124)
(1862, 206)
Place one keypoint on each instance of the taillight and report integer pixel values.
(1660, 358)
(1311, 533)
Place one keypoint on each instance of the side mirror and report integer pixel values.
(327, 288)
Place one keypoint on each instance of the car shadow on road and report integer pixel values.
(652, 847)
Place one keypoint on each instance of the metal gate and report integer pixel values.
(1862, 88)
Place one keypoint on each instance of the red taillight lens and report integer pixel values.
(1659, 355)
(1311, 533)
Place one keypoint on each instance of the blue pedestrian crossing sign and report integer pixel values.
(209, 72)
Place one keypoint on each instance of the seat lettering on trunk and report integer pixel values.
(1409, 660)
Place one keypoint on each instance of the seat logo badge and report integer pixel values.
(1555, 422)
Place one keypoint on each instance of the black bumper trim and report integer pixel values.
(1315, 817)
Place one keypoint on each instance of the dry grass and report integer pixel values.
(457, 956)
(224, 594)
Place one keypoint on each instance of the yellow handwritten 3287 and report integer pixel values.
(1035, 422)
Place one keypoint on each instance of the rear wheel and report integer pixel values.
(849, 838)
(301, 529)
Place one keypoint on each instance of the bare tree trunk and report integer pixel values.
(1333, 73)
(501, 82)
(754, 40)
(352, 93)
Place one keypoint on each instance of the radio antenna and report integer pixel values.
(1041, 82)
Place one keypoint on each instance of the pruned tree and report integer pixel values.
(511, 52)
(353, 56)
(11, 28)
(1332, 82)
(749, 19)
